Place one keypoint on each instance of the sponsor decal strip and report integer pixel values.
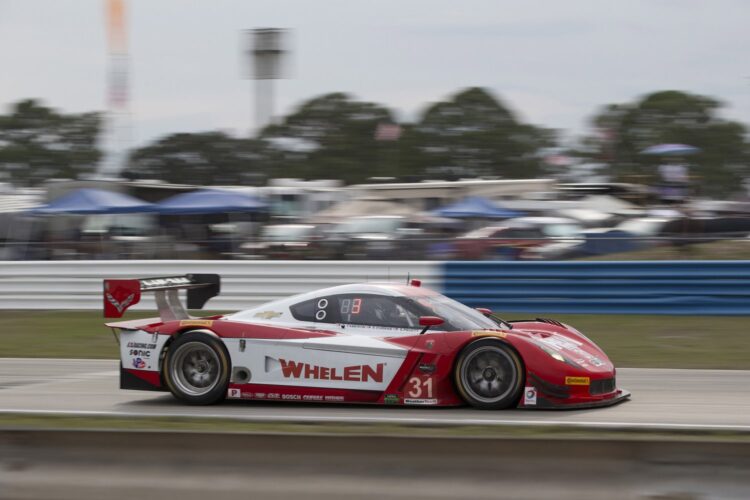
(353, 373)
(197, 322)
(577, 381)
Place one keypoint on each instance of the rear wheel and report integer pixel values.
(489, 375)
(196, 369)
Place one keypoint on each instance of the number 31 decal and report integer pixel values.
(418, 388)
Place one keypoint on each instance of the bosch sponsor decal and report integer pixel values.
(412, 401)
(139, 363)
(196, 322)
(577, 381)
(351, 373)
(529, 396)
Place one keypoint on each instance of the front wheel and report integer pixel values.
(489, 375)
(196, 369)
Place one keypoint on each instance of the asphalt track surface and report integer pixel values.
(661, 398)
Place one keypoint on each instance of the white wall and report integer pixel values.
(78, 284)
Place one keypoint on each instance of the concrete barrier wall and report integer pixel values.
(600, 287)
(663, 287)
(78, 284)
(91, 465)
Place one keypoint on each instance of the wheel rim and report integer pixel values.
(195, 368)
(489, 374)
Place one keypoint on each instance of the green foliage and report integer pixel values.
(474, 134)
(38, 143)
(672, 117)
(208, 158)
(331, 136)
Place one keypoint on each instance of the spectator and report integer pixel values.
(674, 182)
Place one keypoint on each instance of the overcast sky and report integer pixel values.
(554, 62)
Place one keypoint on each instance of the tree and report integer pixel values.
(473, 134)
(208, 158)
(38, 143)
(624, 130)
(334, 137)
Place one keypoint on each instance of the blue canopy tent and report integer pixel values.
(88, 201)
(210, 201)
(475, 207)
(671, 150)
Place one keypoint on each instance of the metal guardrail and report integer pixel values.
(78, 284)
(663, 287)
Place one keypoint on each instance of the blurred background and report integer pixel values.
(388, 131)
(292, 145)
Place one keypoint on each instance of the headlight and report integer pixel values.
(553, 353)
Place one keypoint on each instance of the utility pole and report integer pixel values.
(117, 121)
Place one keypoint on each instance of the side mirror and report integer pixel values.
(428, 321)
(484, 310)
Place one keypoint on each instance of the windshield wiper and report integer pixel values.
(501, 322)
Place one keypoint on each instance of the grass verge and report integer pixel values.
(637, 341)
(717, 250)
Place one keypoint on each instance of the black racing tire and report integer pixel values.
(196, 368)
(489, 375)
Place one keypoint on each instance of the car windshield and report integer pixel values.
(483, 232)
(359, 225)
(558, 230)
(645, 227)
(281, 233)
(456, 315)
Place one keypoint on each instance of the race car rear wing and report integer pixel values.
(119, 294)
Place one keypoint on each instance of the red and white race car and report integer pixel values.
(363, 343)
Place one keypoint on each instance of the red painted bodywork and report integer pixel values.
(431, 356)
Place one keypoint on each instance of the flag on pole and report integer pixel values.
(387, 132)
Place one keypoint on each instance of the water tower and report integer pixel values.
(266, 53)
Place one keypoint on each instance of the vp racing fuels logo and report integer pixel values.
(352, 373)
(120, 306)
